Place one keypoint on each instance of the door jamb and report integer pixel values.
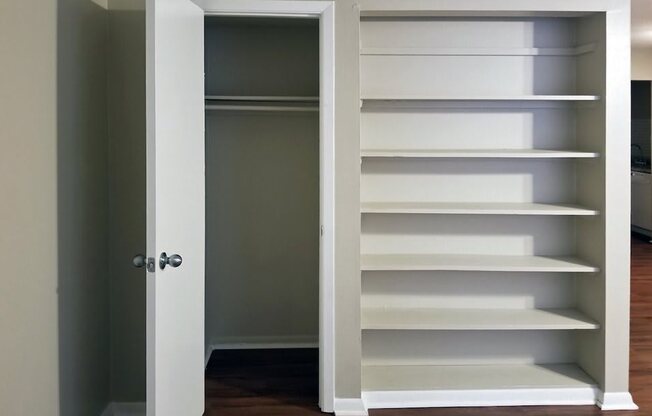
(324, 11)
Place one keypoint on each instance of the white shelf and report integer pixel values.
(460, 262)
(574, 51)
(477, 153)
(474, 319)
(473, 377)
(477, 208)
(372, 97)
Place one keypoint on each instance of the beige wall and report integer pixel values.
(53, 290)
(642, 63)
(29, 365)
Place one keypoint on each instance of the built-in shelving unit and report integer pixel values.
(482, 143)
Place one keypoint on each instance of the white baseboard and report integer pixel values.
(616, 401)
(479, 398)
(125, 409)
(252, 343)
(349, 407)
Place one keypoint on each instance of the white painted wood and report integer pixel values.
(415, 97)
(469, 208)
(579, 50)
(642, 200)
(287, 8)
(565, 396)
(509, 8)
(327, 353)
(450, 319)
(434, 73)
(457, 262)
(616, 401)
(478, 153)
(473, 377)
(175, 207)
(350, 407)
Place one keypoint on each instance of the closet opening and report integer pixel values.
(263, 205)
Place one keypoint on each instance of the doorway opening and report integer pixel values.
(262, 147)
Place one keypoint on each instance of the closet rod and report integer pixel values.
(229, 107)
(270, 98)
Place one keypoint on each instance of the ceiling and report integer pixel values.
(642, 23)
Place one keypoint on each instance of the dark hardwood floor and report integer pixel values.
(284, 382)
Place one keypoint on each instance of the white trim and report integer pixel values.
(125, 409)
(349, 407)
(480, 398)
(264, 7)
(616, 401)
(325, 12)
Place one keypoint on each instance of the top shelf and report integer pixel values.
(572, 51)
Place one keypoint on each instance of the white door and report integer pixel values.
(175, 208)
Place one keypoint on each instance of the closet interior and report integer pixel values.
(482, 190)
(262, 183)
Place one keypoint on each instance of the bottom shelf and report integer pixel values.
(473, 377)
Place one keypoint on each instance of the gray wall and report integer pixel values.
(82, 208)
(54, 290)
(262, 227)
(126, 124)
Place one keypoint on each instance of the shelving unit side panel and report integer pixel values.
(591, 188)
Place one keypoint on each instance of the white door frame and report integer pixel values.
(324, 11)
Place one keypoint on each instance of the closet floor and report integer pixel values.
(284, 382)
(263, 382)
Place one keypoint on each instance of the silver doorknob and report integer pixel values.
(139, 260)
(174, 260)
